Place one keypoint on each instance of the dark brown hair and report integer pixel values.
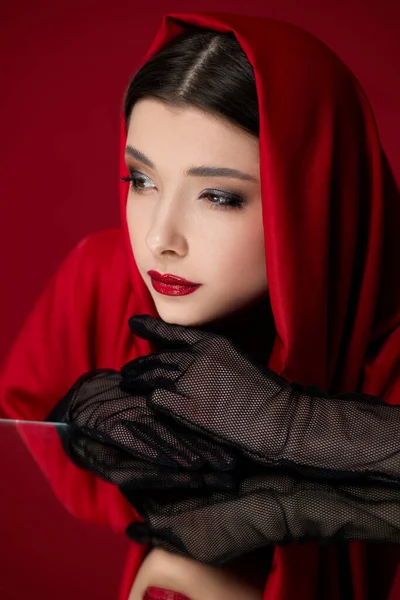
(204, 69)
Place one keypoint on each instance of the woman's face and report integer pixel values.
(194, 211)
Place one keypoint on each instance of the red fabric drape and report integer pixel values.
(331, 216)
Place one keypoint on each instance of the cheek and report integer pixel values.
(137, 221)
(238, 251)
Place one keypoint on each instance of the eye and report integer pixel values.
(139, 182)
(221, 199)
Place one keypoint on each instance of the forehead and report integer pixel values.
(188, 134)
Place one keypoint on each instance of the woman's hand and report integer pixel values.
(116, 435)
(205, 383)
(191, 578)
(270, 509)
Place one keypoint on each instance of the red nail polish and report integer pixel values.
(155, 593)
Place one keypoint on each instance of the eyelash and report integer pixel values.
(231, 201)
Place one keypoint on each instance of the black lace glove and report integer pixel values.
(205, 383)
(115, 435)
(269, 508)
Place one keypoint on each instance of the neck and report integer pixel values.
(251, 329)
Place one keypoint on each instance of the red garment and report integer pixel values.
(332, 238)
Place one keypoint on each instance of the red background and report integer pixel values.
(65, 66)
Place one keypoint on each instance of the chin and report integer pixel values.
(179, 319)
(178, 316)
(189, 318)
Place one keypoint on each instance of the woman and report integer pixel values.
(317, 177)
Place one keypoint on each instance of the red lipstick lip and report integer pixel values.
(167, 289)
(170, 279)
(155, 593)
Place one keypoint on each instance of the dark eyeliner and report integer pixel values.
(223, 200)
(230, 200)
(135, 175)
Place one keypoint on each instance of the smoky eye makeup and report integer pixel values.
(223, 199)
(216, 198)
(138, 181)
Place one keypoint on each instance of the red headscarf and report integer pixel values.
(331, 215)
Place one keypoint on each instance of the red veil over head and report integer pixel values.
(331, 215)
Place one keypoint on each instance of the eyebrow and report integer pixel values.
(201, 171)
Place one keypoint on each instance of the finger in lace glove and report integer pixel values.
(115, 465)
(204, 382)
(269, 508)
(115, 435)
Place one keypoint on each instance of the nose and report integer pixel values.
(166, 232)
